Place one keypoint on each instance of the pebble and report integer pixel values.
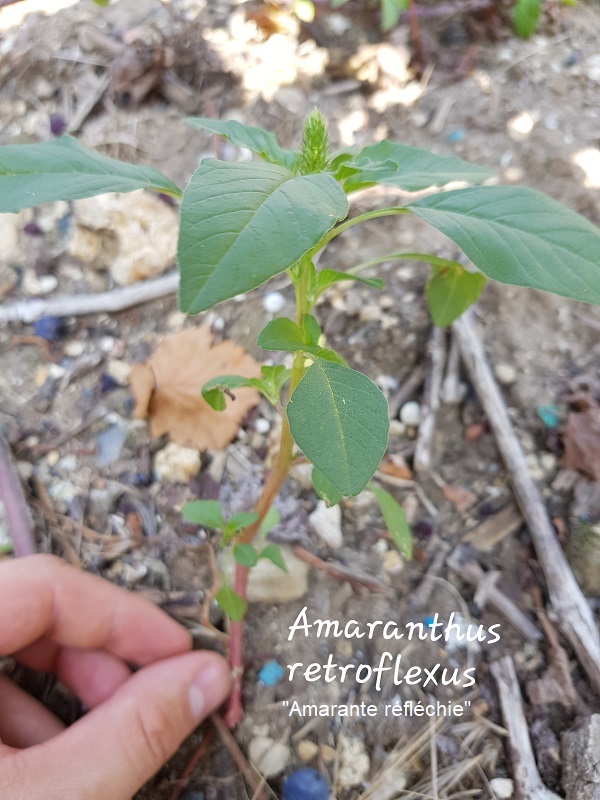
(327, 753)
(306, 784)
(49, 328)
(262, 425)
(273, 302)
(270, 757)
(410, 413)
(176, 464)
(119, 371)
(302, 475)
(503, 788)
(392, 562)
(506, 374)
(369, 313)
(307, 750)
(593, 68)
(52, 458)
(269, 584)
(109, 443)
(25, 470)
(63, 491)
(354, 761)
(326, 522)
(74, 349)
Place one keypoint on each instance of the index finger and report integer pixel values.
(42, 596)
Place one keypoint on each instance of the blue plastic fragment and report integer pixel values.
(428, 621)
(49, 328)
(549, 416)
(306, 784)
(270, 673)
(457, 135)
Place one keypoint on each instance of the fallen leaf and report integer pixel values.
(582, 442)
(167, 389)
(396, 466)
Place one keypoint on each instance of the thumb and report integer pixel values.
(119, 745)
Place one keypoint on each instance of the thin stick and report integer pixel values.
(525, 772)
(18, 516)
(571, 609)
(79, 305)
(431, 399)
(357, 580)
(240, 759)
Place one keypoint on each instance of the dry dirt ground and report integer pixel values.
(122, 79)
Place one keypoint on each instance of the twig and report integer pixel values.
(422, 593)
(183, 781)
(409, 387)
(18, 516)
(240, 759)
(573, 613)
(525, 772)
(79, 305)
(453, 390)
(357, 580)
(431, 399)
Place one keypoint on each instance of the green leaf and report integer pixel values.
(325, 489)
(311, 330)
(328, 277)
(231, 603)
(395, 520)
(213, 390)
(240, 521)
(525, 17)
(450, 291)
(204, 512)
(63, 169)
(261, 142)
(409, 168)
(390, 13)
(282, 334)
(245, 554)
(102, 3)
(518, 236)
(242, 223)
(272, 518)
(329, 355)
(273, 554)
(339, 419)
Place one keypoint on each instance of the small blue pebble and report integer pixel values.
(549, 416)
(49, 328)
(107, 384)
(305, 784)
(271, 673)
(457, 135)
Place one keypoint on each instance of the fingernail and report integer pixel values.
(209, 688)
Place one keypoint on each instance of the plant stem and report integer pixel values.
(375, 214)
(435, 261)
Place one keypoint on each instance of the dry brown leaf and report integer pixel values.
(582, 442)
(167, 389)
(396, 466)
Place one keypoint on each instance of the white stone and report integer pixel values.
(326, 522)
(503, 788)
(273, 302)
(307, 750)
(269, 584)
(410, 413)
(119, 371)
(262, 425)
(268, 756)
(354, 761)
(302, 475)
(176, 464)
(392, 562)
(506, 374)
(74, 349)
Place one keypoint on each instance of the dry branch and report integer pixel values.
(431, 399)
(581, 761)
(571, 609)
(527, 779)
(79, 305)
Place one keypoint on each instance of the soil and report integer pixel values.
(528, 109)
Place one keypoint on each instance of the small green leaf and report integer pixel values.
(272, 518)
(245, 554)
(242, 223)
(409, 168)
(329, 355)
(390, 13)
(311, 330)
(231, 603)
(102, 3)
(450, 291)
(259, 141)
(204, 512)
(213, 390)
(64, 169)
(328, 277)
(304, 10)
(281, 334)
(240, 521)
(518, 236)
(273, 554)
(395, 520)
(325, 489)
(525, 17)
(339, 419)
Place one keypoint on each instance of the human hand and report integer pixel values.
(86, 631)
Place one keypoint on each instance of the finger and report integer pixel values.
(92, 675)
(119, 745)
(24, 722)
(42, 596)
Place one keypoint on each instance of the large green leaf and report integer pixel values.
(242, 223)
(261, 142)
(339, 419)
(406, 167)
(519, 236)
(450, 291)
(63, 169)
